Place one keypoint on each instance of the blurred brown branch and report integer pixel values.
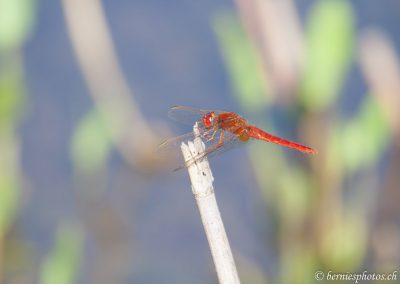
(109, 89)
(381, 68)
(275, 29)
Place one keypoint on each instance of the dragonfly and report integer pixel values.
(221, 131)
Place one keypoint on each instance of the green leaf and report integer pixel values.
(298, 261)
(9, 196)
(361, 141)
(16, 21)
(11, 97)
(344, 243)
(91, 143)
(329, 44)
(243, 63)
(62, 264)
(294, 194)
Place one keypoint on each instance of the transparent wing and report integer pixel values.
(214, 148)
(177, 141)
(211, 137)
(188, 115)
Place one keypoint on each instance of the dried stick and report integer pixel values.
(203, 191)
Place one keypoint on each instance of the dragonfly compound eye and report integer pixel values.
(208, 120)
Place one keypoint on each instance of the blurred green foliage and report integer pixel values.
(243, 63)
(12, 96)
(62, 264)
(17, 19)
(359, 142)
(11, 106)
(298, 262)
(316, 228)
(290, 187)
(91, 143)
(15, 24)
(295, 203)
(9, 200)
(343, 245)
(329, 48)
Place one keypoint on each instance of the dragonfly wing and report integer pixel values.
(215, 148)
(169, 150)
(185, 115)
(188, 115)
(177, 141)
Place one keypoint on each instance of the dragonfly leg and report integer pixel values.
(211, 149)
(221, 138)
(213, 135)
(216, 145)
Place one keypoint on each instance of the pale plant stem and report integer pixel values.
(203, 191)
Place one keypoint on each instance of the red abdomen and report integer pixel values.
(259, 134)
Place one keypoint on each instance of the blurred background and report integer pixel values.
(85, 87)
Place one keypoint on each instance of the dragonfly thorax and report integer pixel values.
(208, 119)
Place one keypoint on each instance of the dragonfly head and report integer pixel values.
(208, 119)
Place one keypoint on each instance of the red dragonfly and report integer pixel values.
(221, 130)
